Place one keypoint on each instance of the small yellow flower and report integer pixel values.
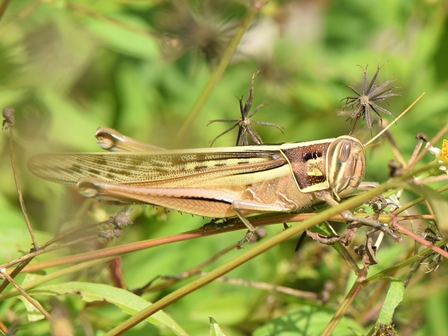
(444, 155)
(441, 154)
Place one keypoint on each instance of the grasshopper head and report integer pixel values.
(346, 164)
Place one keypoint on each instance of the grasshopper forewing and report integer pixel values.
(213, 182)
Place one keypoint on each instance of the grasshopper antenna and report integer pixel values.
(394, 121)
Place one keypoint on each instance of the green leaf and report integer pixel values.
(123, 39)
(33, 314)
(79, 132)
(128, 302)
(435, 312)
(15, 240)
(308, 320)
(393, 299)
(231, 308)
(215, 330)
(438, 204)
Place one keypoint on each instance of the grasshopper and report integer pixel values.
(214, 182)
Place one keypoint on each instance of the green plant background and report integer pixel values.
(68, 67)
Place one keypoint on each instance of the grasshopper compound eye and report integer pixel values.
(346, 164)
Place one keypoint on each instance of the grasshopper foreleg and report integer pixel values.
(325, 196)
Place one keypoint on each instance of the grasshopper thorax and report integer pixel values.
(346, 164)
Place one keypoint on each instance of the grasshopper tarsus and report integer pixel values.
(214, 225)
(247, 239)
(325, 196)
(372, 223)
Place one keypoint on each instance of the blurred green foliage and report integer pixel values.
(68, 67)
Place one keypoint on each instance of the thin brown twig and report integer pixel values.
(36, 304)
(170, 280)
(44, 248)
(8, 123)
(432, 179)
(425, 150)
(3, 7)
(29, 256)
(395, 149)
(136, 246)
(55, 275)
(219, 70)
(395, 120)
(422, 241)
(344, 306)
(269, 287)
(421, 137)
(418, 200)
(15, 272)
(74, 231)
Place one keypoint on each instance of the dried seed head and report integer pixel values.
(121, 219)
(422, 136)
(8, 114)
(204, 28)
(364, 103)
(395, 168)
(245, 128)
